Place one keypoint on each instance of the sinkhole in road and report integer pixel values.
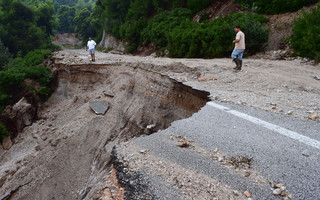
(77, 155)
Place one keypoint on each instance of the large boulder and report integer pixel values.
(109, 41)
(18, 116)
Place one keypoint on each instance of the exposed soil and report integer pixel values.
(66, 153)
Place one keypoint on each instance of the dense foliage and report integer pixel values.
(213, 39)
(274, 6)
(168, 25)
(20, 69)
(25, 26)
(74, 15)
(306, 38)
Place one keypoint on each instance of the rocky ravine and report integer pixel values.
(66, 154)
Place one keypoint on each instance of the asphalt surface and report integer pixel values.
(276, 157)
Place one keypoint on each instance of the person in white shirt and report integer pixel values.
(238, 48)
(91, 45)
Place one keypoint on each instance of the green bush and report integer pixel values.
(214, 39)
(306, 38)
(131, 32)
(3, 132)
(274, 6)
(160, 25)
(20, 69)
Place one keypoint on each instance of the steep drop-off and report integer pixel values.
(66, 153)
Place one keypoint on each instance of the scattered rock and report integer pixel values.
(44, 137)
(317, 78)
(314, 117)
(151, 126)
(290, 112)
(247, 174)
(7, 143)
(184, 144)
(247, 193)
(274, 108)
(144, 151)
(220, 159)
(55, 142)
(38, 148)
(21, 114)
(99, 107)
(202, 78)
(306, 153)
(277, 191)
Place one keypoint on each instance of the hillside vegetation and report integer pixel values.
(168, 25)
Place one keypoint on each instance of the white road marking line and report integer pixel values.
(283, 131)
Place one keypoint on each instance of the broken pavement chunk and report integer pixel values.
(99, 107)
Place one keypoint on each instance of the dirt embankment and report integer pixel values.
(66, 153)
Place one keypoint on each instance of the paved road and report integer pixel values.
(283, 149)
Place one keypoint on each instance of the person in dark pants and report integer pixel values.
(239, 47)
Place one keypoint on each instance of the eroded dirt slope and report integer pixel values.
(66, 153)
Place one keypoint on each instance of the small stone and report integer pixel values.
(44, 137)
(247, 193)
(38, 148)
(214, 78)
(282, 188)
(279, 185)
(283, 193)
(7, 143)
(274, 108)
(216, 150)
(54, 143)
(306, 153)
(144, 151)
(277, 191)
(202, 78)
(314, 117)
(247, 174)
(151, 126)
(220, 159)
(236, 193)
(184, 144)
(290, 112)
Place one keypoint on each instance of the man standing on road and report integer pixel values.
(91, 45)
(239, 48)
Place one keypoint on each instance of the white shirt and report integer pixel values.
(91, 44)
(241, 44)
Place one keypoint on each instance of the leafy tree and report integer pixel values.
(306, 38)
(83, 24)
(23, 29)
(159, 26)
(65, 17)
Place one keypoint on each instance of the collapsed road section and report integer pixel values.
(66, 153)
